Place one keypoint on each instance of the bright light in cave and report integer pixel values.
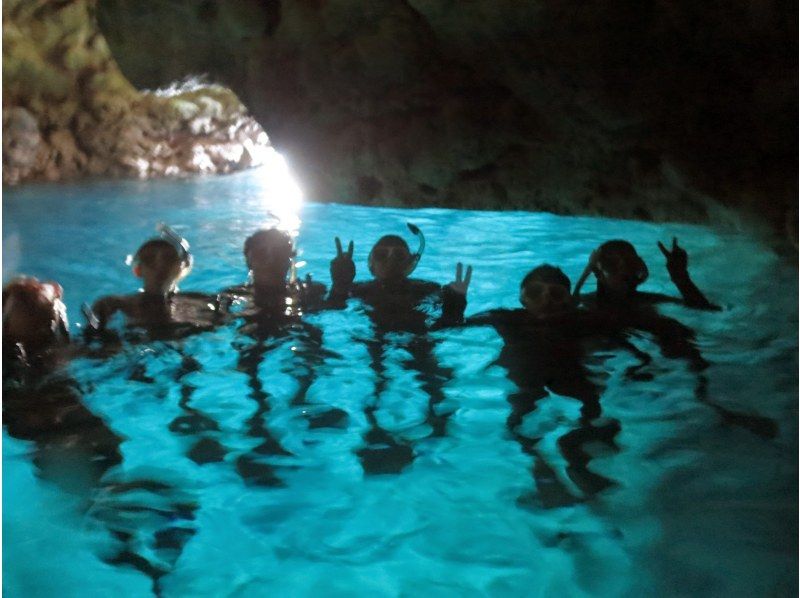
(281, 195)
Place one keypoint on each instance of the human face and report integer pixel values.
(161, 272)
(389, 262)
(543, 298)
(621, 273)
(269, 264)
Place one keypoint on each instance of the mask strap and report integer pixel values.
(180, 244)
(418, 255)
(642, 273)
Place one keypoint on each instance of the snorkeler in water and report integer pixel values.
(273, 288)
(271, 305)
(71, 446)
(159, 307)
(403, 311)
(34, 320)
(619, 271)
(392, 294)
(546, 343)
(41, 403)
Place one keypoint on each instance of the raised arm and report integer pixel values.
(343, 272)
(98, 315)
(677, 266)
(454, 298)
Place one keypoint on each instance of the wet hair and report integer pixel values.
(31, 291)
(38, 300)
(392, 241)
(270, 237)
(618, 252)
(151, 251)
(547, 274)
(617, 246)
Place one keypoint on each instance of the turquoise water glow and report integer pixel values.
(240, 472)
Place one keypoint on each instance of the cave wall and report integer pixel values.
(642, 109)
(68, 111)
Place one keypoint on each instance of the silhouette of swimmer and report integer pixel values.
(402, 311)
(273, 289)
(42, 404)
(545, 349)
(34, 321)
(159, 308)
(619, 271)
(396, 301)
(74, 448)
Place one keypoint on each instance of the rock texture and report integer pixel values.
(68, 111)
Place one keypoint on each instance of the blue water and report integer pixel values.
(698, 507)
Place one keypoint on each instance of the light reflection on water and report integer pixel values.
(251, 450)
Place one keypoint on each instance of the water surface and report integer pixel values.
(244, 464)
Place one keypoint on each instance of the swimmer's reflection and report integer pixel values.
(619, 271)
(194, 422)
(540, 361)
(76, 450)
(270, 309)
(271, 333)
(72, 446)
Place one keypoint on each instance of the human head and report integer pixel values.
(161, 265)
(268, 254)
(391, 259)
(618, 268)
(33, 313)
(545, 291)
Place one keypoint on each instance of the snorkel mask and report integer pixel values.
(545, 291)
(166, 233)
(617, 266)
(390, 245)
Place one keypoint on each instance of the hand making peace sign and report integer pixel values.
(460, 285)
(677, 259)
(343, 270)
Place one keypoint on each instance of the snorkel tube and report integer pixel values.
(586, 271)
(412, 265)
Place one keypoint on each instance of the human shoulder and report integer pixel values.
(652, 298)
(312, 288)
(424, 286)
(114, 301)
(239, 290)
(498, 316)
